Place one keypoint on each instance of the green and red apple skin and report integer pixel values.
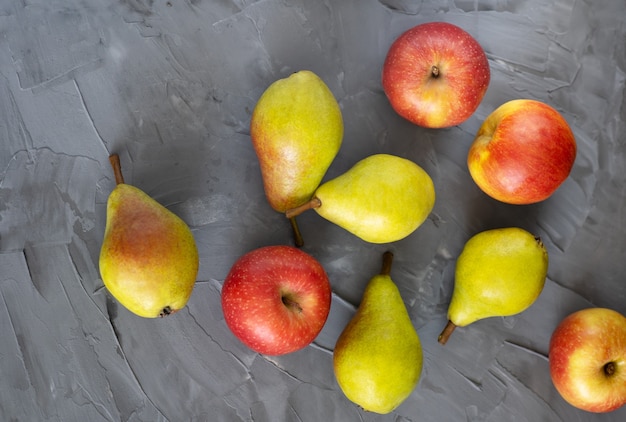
(587, 356)
(523, 151)
(276, 299)
(435, 75)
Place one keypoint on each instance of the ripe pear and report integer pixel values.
(148, 259)
(382, 198)
(499, 272)
(296, 130)
(378, 357)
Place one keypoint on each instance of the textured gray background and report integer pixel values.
(170, 85)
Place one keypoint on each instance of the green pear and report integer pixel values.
(378, 357)
(148, 259)
(296, 130)
(499, 272)
(382, 198)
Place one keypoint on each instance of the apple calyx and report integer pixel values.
(447, 331)
(314, 202)
(114, 159)
(434, 71)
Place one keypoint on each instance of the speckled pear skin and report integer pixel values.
(148, 260)
(500, 272)
(296, 129)
(378, 357)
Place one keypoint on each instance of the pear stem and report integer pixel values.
(447, 331)
(117, 168)
(296, 232)
(313, 203)
(387, 260)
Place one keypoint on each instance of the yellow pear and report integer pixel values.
(499, 272)
(382, 198)
(148, 259)
(296, 130)
(378, 357)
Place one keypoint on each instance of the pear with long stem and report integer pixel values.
(296, 130)
(149, 259)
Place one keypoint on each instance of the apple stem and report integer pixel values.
(609, 369)
(296, 232)
(434, 71)
(291, 304)
(447, 331)
(117, 168)
(313, 203)
(387, 260)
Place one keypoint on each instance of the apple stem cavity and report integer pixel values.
(609, 369)
(434, 71)
(315, 202)
(447, 331)
(387, 261)
(117, 168)
(299, 241)
(291, 304)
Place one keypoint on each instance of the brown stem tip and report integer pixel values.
(297, 236)
(447, 331)
(387, 261)
(609, 369)
(434, 71)
(294, 212)
(117, 168)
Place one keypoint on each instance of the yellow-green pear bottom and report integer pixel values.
(500, 272)
(148, 259)
(378, 357)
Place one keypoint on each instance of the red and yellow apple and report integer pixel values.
(276, 299)
(587, 357)
(522, 153)
(435, 75)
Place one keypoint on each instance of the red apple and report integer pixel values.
(435, 75)
(522, 152)
(588, 359)
(276, 299)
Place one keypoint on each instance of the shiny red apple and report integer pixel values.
(276, 299)
(587, 357)
(435, 75)
(522, 153)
